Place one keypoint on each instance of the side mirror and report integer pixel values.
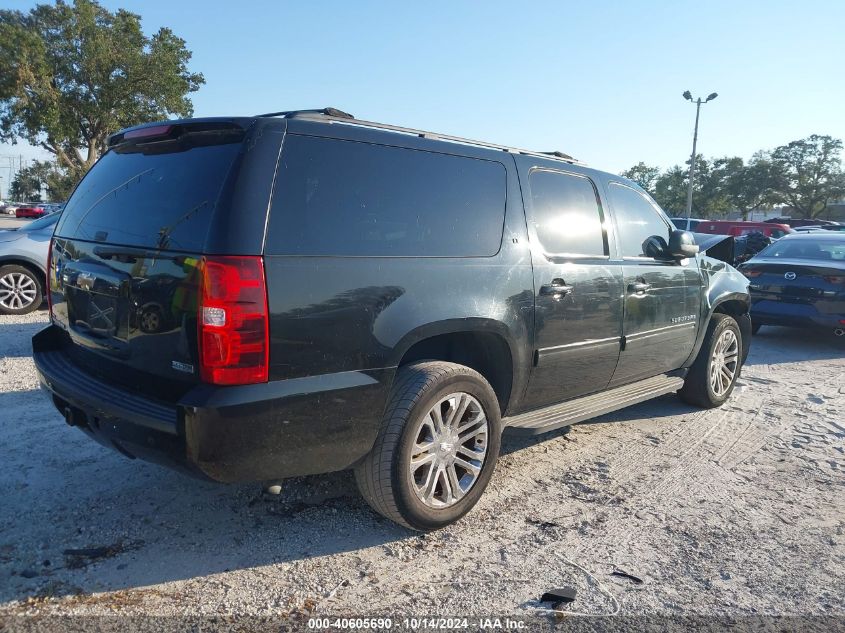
(655, 246)
(681, 245)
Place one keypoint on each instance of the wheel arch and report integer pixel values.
(735, 304)
(484, 345)
(25, 262)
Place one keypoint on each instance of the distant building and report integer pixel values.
(834, 211)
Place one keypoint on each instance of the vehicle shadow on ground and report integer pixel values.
(789, 345)
(139, 524)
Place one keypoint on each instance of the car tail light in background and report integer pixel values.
(751, 274)
(234, 336)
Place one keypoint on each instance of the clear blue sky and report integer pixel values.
(601, 81)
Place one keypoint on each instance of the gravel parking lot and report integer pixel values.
(11, 222)
(733, 511)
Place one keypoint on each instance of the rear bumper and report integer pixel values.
(804, 315)
(229, 434)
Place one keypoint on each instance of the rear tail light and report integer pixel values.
(834, 279)
(48, 287)
(751, 274)
(234, 337)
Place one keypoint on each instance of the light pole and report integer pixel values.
(697, 103)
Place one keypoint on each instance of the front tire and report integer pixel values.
(437, 448)
(20, 290)
(712, 377)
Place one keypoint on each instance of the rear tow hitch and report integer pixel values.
(74, 417)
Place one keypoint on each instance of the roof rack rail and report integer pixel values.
(558, 155)
(333, 115)
(289, 114)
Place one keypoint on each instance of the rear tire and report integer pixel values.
(21, 290)
(712, 377)
(437, 447)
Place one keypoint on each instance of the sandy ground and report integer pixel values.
(734, 511)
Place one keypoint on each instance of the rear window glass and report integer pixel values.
(162, 200)
(347, 198)
(824, 250)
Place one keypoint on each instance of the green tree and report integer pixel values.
(708, 199)
(808, 174)
(30, 181)
(746, 186)
(642, 174)
(71, 74)
(670, 191)
(60, 184)
(26, 186)
(708, 195)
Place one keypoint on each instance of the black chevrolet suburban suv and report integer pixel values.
(250, 299)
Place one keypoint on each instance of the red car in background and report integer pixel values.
(30, 212)
(737, 228)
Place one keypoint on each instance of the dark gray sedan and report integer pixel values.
(23, 262)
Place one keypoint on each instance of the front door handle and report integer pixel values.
(638, 287)
(557, 288)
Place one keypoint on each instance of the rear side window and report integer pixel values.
(566, 214)
(347, 198)
(162, 200)
(637, 219)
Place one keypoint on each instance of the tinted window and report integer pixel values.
(636, 219)
(347, 198)
(162, 200)
(566, 214)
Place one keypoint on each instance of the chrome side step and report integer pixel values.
(586, 407)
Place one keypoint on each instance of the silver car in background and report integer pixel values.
(23, 264)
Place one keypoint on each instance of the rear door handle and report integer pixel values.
(638, 288)
(557, 288)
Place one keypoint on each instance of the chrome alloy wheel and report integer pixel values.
(724, 363)
(450, 445)
(17, 291)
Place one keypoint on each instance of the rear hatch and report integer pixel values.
(127, 258)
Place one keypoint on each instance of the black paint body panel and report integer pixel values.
(340, 326)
